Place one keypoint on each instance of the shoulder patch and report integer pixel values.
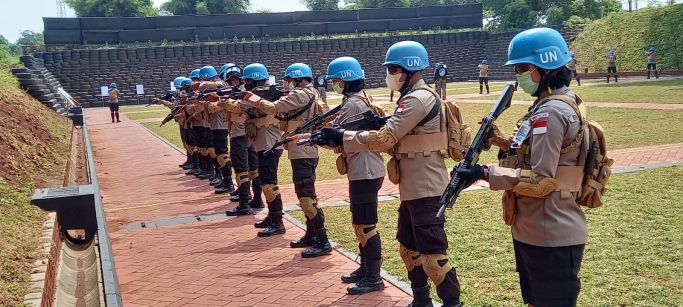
(400, 107)
(538, 116)
(540, 127)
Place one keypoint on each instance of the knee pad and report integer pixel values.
(271, 191)
(222, 159)
(410, 258)
(253, 174)
(435, 271)
(242, 178)
(212, 153)
(308, 206)
(363, 236)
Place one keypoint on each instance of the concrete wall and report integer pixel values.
(82, 72)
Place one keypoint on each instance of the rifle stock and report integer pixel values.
(308, 125)
(167, 96)
(171, 115)
(457, 184)
(359, 122)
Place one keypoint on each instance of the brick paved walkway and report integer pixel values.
(210, 263)
(222, 262)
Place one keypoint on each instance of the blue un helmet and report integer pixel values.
(484, 62)
(224, 67)
(412, 56)
(186, 82)
(255, 71)
(176, 81)
(231, 71)
(611, 51)
(543, 47)
(112, 85)
(298, 70)
(345, 68)
(207, 72)
(194, 74)
(652, 48)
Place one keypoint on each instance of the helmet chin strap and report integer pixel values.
(405, 88)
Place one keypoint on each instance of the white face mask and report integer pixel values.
(393, 81)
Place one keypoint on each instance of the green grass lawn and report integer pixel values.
(131, 109)
(150, 114)
(647, 91)
(626, 128)
(634, 254)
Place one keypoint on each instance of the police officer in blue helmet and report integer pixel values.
(612, 66)
(417, 167)
(652, 62)
(538, 172)
(114, 95)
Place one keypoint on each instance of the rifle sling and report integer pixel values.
(288, 117)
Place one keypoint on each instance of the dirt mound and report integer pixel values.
(34, 140)
(34, 145)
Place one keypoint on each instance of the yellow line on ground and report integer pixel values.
(164, 203)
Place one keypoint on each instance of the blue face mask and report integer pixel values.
(527, 83)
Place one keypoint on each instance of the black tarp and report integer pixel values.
(62, 37)
(50, 23)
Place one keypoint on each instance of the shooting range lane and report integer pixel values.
(210, 262)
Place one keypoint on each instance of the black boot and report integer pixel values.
(657, 74)
(481, 89)
(371, 282)
(117, 117)
(616, 78)
(241, 209)
(578, 81)
(307, 240)
(359, 273)
(256, 202)
(421, 297)
(208, 169)
(487, 89)
(275, 227)
(265, 222)
(321, 247)
(218, 174)
(187, 162)
(227, 186)
(195, 164)
(607, 79)
(648, 75)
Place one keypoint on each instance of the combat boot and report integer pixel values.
(421, 297)
(371, 282)
(321, 247)
(208, 170)
(256, 203)
(227, 187)
(307, 240)
(359, 273)
(481, 89)
(265, 222)
(187, 161)
(487, 89)
(217, 177)
(241, 209)
(275, 227)
(195, 164)
(648, 75)
(656, 74)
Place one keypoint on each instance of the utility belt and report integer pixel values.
(265, 121)
(427, 143)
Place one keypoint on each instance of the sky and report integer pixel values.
(15, 17)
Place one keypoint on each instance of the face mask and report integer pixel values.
(527, 84)
(393, 81)
(249, 86)
(291, 86)
(338, 89)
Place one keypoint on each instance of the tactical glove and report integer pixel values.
(332, 137)
(472, 175)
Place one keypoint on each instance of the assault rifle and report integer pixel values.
(359, 122)
(167, 97)
(308, 125)
(171, 115)
(457, 184)
(271, 93)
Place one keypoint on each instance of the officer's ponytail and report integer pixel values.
(354, 86)
(554, 79)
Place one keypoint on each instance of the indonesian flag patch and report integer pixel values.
(399, 109)
(539, 127)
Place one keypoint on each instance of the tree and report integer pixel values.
(8, 50)
(318, 5)
(192, 7)
(264, 11)
(30, 38)
(113, 8)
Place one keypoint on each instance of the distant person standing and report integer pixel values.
(440, 72)
(391, 96)
(652, 62)
(114, 96)
(572, 66)
(612, 65)
(321, 85)
(483, 77)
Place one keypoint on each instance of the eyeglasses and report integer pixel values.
(522, 68)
